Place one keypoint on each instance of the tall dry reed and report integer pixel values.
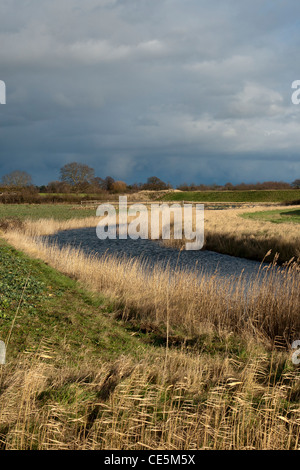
(196, 402)
(172, 399)
(268, 305)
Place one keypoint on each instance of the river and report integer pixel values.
(153, 253)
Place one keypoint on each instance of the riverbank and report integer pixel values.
(147, 298)
(244, 233)
(240, 232)
(113, 369)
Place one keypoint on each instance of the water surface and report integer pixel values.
(153, 253)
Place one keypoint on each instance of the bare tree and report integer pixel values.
(77, 174)
(17, 179)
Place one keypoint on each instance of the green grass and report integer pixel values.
(53, 308)
(45, 211)
(234, 196)
(275, 216)
(77, 195)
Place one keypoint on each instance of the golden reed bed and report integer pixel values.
(172, 398)
(225, 232)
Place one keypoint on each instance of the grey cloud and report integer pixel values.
(190, 90)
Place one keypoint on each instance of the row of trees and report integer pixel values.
(78, 177)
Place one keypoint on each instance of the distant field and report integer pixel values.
(45, 211)
(77, 195)
(276, 216)
(234, 196)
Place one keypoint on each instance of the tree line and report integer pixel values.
(80, 178)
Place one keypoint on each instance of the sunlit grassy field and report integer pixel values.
(45, 211)
(235, 196)
(280, 216)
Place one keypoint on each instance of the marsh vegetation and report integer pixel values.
(103, 355)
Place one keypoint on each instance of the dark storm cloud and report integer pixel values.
(187, 90)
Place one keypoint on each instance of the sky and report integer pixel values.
(191, 91)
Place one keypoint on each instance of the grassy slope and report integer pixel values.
(275, 216)
(234, 196)
(45, 211)
(54, 308)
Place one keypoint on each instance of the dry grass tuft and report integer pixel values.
(196, 402)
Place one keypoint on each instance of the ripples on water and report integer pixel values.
(154, 253)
